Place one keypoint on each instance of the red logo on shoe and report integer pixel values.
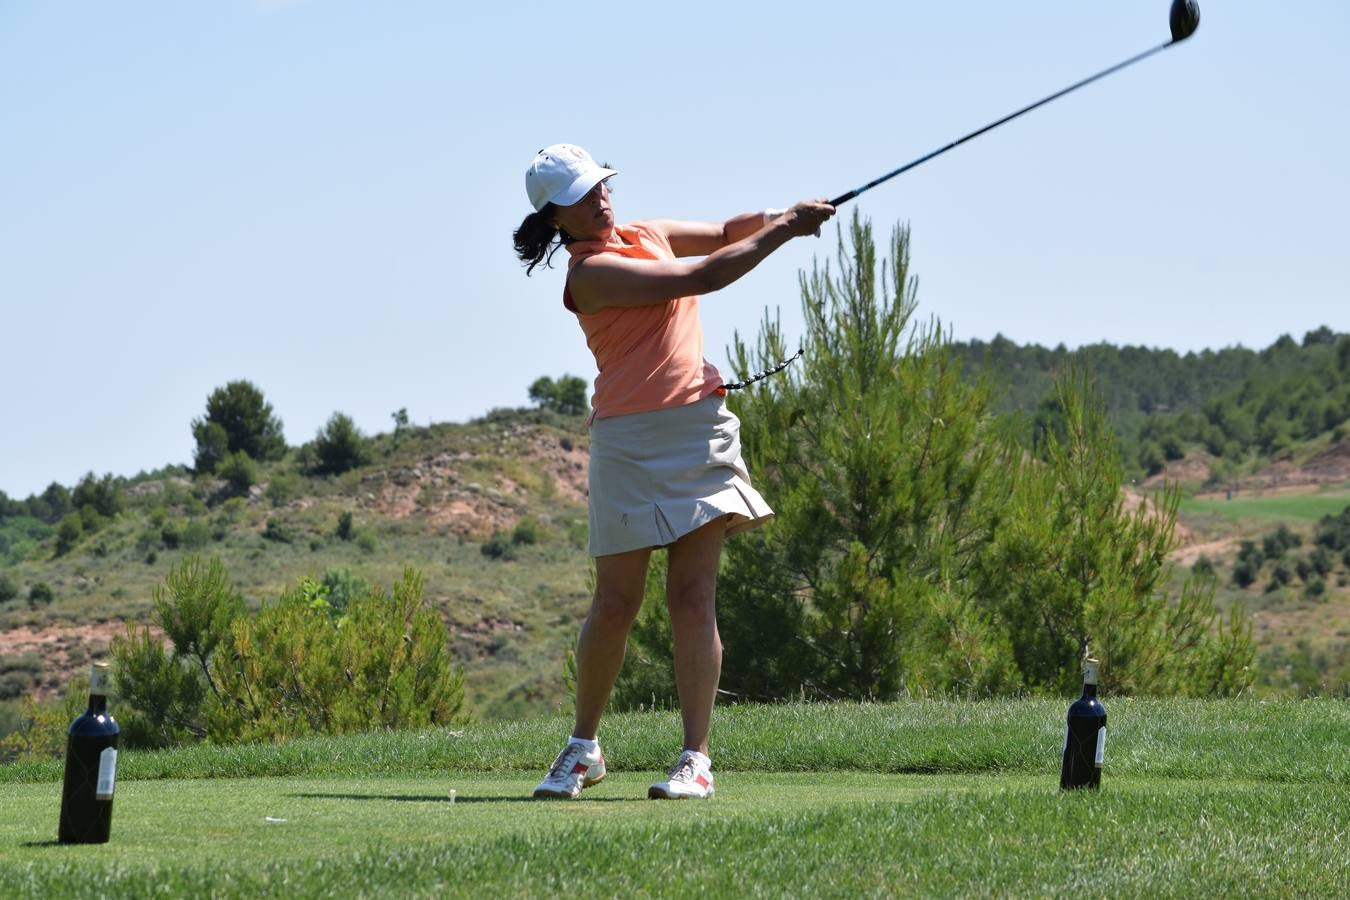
(702, 782)
(580, 768)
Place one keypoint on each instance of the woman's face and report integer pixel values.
(589, 219)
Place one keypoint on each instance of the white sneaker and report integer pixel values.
(574, 769)
(691, 777)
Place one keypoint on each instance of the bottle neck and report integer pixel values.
(1090, 689)
(98, 704)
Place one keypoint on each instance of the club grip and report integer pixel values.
(843, 198)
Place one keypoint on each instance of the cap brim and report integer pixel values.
(582, 186)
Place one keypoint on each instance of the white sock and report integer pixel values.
(701, 757)
(589, 745)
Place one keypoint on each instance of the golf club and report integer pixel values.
(1184, 19)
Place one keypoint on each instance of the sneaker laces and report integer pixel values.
(685, 768)
(566, 760)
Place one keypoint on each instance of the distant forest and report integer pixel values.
(1240, 405)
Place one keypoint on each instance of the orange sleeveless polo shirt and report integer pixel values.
(649, 357)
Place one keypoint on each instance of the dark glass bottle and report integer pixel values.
(1085, 738)
(91, 769)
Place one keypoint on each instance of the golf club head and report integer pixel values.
(1184, 19)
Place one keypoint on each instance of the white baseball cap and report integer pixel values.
(562, 174)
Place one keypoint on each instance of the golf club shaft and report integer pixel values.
(843, 198)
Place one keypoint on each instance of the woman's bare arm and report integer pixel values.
(608, 279)
(703, 238)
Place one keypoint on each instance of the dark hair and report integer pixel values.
(537, 239)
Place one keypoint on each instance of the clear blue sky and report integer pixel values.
(318, 196)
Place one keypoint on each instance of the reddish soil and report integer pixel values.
(1194, 468)
(1184, 535)
(434, 488)
(64, 650)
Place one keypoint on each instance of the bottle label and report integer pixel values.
(1101, 747)
(107, 774)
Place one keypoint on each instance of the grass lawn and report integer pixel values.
(1292, 508)
(923, 798)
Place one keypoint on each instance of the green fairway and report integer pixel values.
(1274, 507)
(932, 799)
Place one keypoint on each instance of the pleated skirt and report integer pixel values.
(656, 476)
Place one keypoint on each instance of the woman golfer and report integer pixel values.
(665, 467)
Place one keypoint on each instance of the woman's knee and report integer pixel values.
(616, 604)
(692, 596)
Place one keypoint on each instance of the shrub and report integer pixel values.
(8, 589)
(344, 526)
(1203, 566)
(293, 669)
(339, 446)
(42, 725)
(527, 531)
(342, 588)
(283, 488)
(498, 546)
(278, 532)
(68, 533)
(1280, 575)
(171, 535)
(165, 693)
(40, 594)
(240, 473)
(197, 534)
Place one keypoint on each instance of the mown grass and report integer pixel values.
(1292, 741)
(1292, 508)
(934, 798)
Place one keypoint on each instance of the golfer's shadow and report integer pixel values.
(444, 798)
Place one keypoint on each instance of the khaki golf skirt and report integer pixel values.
(656, 476)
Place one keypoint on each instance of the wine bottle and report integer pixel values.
(91, 768)
(1085, 738)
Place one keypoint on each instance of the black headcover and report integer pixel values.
(1184, 19)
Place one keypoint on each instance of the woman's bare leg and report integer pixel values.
(691, 586)
(619, 583)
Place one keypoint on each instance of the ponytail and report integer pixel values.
(537, 239)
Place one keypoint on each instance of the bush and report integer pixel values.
(8, 589)
(344, 526)
(278, 532)
(103, 495)
(527, 531)
(240, 473)
(165, 693)
(1203, 567)
(1280, 575)
(40, 594)
(283, 488)
(1275, 544)
(197, 534)
(293, 669)
(342, 589)
(499, 546)
(68, 533)
(171, 535)
(42, 725)
(339, 446)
